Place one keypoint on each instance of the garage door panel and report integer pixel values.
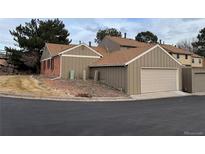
(199, 82)
(156, 80)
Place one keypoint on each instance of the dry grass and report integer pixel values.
(26, 85)
(44, 87)
(80, 88)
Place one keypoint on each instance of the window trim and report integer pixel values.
(178, 56)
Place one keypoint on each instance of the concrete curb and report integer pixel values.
(73, 99)
(93, 99)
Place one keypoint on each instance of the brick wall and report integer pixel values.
(51, 67)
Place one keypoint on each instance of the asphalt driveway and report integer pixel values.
(173, 116)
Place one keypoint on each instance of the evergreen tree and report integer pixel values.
(199, 45)
(32, 37)
(107, 32)
(147, 37)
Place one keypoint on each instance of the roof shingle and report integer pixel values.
(55, 49)
(127, 42)
(134, 43)
(120, 57)
(176, 50)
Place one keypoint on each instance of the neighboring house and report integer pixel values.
(2, 54)
(3, 66)
(58, 60)
(197, 61)
(193, 79)
(3, 63)
(182, 55)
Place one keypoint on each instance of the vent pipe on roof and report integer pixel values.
(160, 41)
(125, 35)
(89, 43)
(163, 42)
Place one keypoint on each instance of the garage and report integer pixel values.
(139, 70)
(193, 80)
(157, 80)
(200, 81)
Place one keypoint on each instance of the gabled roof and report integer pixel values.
(134, 43)
(100, 50)
(173, 49)
(127, 56)
(56, 49)
(127, 42)
(119, 58)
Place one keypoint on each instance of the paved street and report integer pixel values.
(173, 116)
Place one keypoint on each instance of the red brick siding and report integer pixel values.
(51, 72)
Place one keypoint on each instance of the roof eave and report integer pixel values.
(108, 65)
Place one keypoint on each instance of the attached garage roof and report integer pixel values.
(121, 57)
(56, 49)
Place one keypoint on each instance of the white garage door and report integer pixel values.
(156, 80)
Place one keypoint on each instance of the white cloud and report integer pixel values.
(169, 30)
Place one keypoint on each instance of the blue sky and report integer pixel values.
(169, 30)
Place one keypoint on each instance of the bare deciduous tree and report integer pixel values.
(186, 44)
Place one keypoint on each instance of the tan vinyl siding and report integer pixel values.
(198, 80)
(197, 63)
(182, 59)
(187, 80)
(81, 50)
(154, 59)
(109, 45)
(112, 76)
(77, 64)
(46, 54)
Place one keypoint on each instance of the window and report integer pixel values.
(193, 60)
(177, 56)
(186, 56)
(48, 64)
(199, 61)
(170, 53)
(52, 64)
